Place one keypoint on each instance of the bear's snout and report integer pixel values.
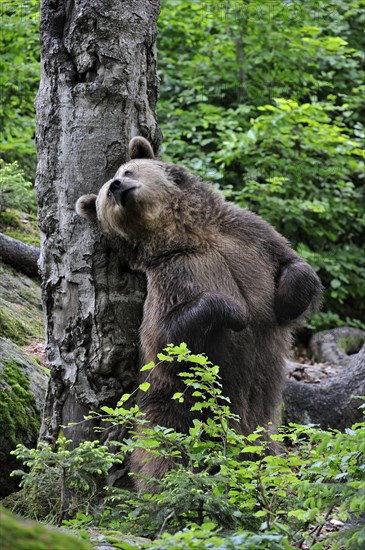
(115, 184)
(120, 188)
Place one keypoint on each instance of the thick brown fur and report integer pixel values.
(219, 278)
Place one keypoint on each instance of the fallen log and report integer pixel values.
(23, 257)
(335, 402)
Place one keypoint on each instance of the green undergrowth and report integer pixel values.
(213, 497)
(18, 207)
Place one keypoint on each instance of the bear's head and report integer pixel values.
(147, 198)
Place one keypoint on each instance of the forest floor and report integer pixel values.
(304, 369)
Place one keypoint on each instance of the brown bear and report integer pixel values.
(218, 278)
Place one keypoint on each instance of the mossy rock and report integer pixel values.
(23, 384)
(336, 346)
(18, 534)
(21, 316)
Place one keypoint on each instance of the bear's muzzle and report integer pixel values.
(120, 189)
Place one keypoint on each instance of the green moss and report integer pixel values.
(18, 413)
(16, 534)
(351, 344)
(43, 369)
(21, 316)
(11, 327)
(118, 539)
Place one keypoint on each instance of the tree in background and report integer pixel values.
(98, 88)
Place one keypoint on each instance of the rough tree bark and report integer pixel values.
(98, 89)
(23, 257)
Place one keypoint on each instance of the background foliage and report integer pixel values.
(19, 77)
(267, 99)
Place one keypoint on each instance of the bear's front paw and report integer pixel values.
(298, 291)
(208, 313)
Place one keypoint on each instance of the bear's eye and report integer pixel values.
(128, 174)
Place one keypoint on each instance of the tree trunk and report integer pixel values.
(23, 257)
(98, 89)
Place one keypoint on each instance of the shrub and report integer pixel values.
(15, 190)
(215, 498)
(59, 481)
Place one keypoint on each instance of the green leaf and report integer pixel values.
(179, 396)
(149, 366)
(335, 283)
(107, 410)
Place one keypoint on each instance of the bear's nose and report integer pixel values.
(120, 189)
(115, 184)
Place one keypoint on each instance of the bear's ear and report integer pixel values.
(86, 207)
(140, 148)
